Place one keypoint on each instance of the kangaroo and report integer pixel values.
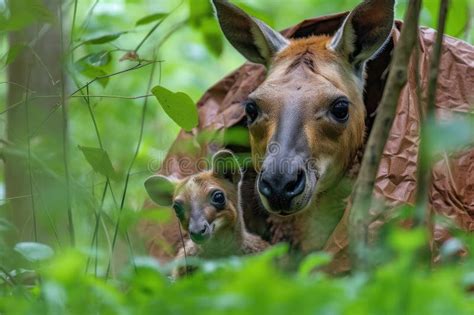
(307, 119)
(207, 206)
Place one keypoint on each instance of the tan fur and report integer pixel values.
(230, 236)
(310, 75)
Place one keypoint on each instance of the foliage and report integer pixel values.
(252, 285)
(123, 59)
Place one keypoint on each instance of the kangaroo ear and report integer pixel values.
(161, 189)
(364, 31)
(226, 166)
(255, 40)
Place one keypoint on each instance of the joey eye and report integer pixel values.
(251, 110)
(340, 110)
(179, 210)
(218, 199)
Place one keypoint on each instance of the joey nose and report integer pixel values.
(199, 230)
(280, 189)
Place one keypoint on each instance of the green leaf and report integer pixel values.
(99, 59)
(86, 67)
(178, 106)
(458, 16)
(34, 252)
(99, 160)
(103, 39)
(151, 18)
(313, 261)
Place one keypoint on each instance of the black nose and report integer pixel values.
(199, 231)
(280, 189)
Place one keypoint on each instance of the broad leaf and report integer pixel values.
(103, 39)
(99, 160)
(34, 252)
(178, 106)
(151, 18)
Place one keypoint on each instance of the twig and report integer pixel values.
(424, 164)
(360, 216)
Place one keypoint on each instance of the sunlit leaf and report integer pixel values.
(458, 15)
(151, 18)
(178, 106)
(99, 160)
(408, 240)
(99, 59)
(34, 252)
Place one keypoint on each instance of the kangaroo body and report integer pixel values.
(306, 120)
(207, 206)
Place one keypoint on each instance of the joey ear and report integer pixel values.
(225, 165)
(161, 189)
(255, 40)
(364, 31)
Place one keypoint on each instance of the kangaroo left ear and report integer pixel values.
(364, 31)
(226, 166)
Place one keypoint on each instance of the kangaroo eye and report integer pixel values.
(340, 110)
(251, 110)
(179, 210)
(218, 199)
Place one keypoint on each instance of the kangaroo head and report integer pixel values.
(206, 203)
(307, 119)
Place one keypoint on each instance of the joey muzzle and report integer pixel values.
(199, 230)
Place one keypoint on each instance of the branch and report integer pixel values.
(424, 165)
(360, 217)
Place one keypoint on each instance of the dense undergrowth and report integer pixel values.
(251, 285)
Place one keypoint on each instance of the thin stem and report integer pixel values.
(360, 214)
(30, 173)
(65, 140)
(137, 150)
(424, 174)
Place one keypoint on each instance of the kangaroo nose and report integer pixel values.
(280, 189)
(199, 231)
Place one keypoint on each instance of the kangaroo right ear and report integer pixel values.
(161, 189)
(255, 40)
(225, 165)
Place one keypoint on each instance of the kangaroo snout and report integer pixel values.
(199, 230)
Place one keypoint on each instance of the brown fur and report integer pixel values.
(307, 71)
(231, 237)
